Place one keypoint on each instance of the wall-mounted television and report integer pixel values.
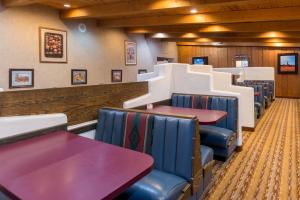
(200, 60)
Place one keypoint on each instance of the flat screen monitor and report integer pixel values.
(200, 60)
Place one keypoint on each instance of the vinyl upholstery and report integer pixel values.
(172, 149)
(221, 136)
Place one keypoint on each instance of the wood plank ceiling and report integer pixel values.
(206, 22)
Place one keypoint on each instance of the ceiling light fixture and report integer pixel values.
(193, 11)
(67, 5)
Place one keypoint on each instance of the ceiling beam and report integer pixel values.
(235, 27)
(13, 3)
(275, 14)
(231, 35)
(222, 40)
(241, 44)
(137, 7)
(124, 8)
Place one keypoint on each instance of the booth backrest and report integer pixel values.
(228, 104)
(269, 86)
(257, 88)
(170, 140)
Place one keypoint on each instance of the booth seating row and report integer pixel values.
(260, 100)
(266, 94)
(268, 88)
(221, 137)
(182, 167)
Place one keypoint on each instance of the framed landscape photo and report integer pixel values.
(130, 53)
(53, 45)
(288, 63)
(79, 76)
(116, 76)
(142, 71)
(200, 60)
(21, 78)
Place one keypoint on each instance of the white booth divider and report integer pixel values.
(192, 79)
(17, 125)
(223, 81)
(251, 73)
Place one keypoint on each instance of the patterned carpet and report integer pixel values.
(269, 165)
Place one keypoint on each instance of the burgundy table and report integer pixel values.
(205, 117)
(256, 93)
(64, 166)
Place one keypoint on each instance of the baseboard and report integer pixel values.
(239, 148)
(250, 129)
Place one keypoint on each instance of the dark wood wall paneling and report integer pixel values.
(81, 104)
(286, 85)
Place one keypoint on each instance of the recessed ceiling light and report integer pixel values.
(193, 11)
(67, 5)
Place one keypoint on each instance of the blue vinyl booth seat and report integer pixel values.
(172, 145)
(260, 101)
(268, 88)
(221, 137)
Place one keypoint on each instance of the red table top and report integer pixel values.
(205, 117)
(65, 166)
(256, 93)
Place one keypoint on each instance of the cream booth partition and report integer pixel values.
(183, 78)
(18, 125)
(251, 73)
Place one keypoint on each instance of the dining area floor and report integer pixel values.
(269, 165)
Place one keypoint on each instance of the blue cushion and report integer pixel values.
(171, 137)
(216, 136)
(110, 127)
(172, 145)
(207, 155)
(157, 185)
(228, 104)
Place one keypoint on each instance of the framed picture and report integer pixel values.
(21, 78)
(200, 60)
(241, 61)
(130, 53)
(79, 76)
(116, 76)
(288, 63)
(142, 71)
(53, 45)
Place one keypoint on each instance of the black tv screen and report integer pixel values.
(200, 60)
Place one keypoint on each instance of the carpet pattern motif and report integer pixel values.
(269, 165)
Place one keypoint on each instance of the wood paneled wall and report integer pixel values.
(81, 104)
(286, 85)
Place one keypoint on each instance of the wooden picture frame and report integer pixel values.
(21, 78)
(288, 63)
(142, 71)
(79, 76)
(130, 53)
(53, 45)
(116, 76)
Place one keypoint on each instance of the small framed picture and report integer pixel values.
(79, 76)
(21, 78)
(288, 63)
(116, 76)
(53, 45)
(142, 71)
(130, 53)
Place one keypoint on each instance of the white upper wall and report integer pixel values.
(251, 73)
(12, 126)
(259, 73)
